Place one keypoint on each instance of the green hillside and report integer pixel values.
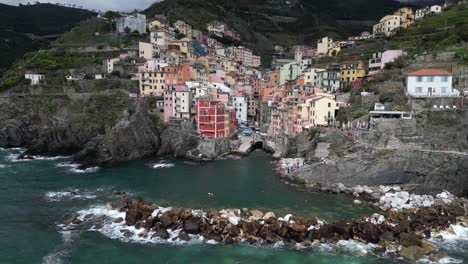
(40, 20)
(263, 23)
(445, 32)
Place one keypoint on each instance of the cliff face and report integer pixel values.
(101, 130)
(134, 137)
(424, 155)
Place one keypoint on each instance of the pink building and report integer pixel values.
(153, 65)
(379, 59)
(218, 77)
(219, 95)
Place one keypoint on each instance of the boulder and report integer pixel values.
(252, 239)
(269, 215)
(357, 202)
(296, 227)
(184, 236)
(408, 240)
(357, 189)
(272, 238)
(161, 233)
(166, 220)
(412, 253)
(128, 234)
(185, 214)
(234, 220)
(427, 247)
(215, 236)
(388, 236)
(304, 220)
(118, 220)
(68, 219)
(143, 233)
(438, 256)
(191, 226)
(132, 216)
(343, 229)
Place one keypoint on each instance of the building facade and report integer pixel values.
(131, 23)
(430, 83)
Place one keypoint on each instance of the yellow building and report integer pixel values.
(406, 16)
(321, 110)
(205, 62)
(350, 72)
(151, 83)
(229, 66)
(183, 28)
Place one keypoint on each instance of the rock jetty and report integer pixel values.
(404, 232)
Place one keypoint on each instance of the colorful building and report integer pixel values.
(211, 117)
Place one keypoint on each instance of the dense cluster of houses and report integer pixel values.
(194, 77)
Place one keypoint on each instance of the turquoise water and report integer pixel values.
(35, 195)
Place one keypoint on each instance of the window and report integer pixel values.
(444, 90)
(430, 78)
(418, 89)
(419, 79)
(444, 78)
(329, 104)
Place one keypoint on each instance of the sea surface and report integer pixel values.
(36, 194)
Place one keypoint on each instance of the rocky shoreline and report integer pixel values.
(402, 232)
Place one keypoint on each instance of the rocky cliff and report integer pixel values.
(424, 155)
(101, 129)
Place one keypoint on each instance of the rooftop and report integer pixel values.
(425, 72)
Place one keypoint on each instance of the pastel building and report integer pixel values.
(406, 16)
(387, 25)
(162, 38)
(350, 72)
(380, 59)
(321, 110)
(177, 102)
(147, 50)
(430, 83)
(241, 104)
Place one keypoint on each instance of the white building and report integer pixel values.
(310, 76)
(324, 45)
(387, 25)
(430, 83)
(182, 103)
(427, 11)
(132, 23)
(147, 50)
(162, 38)
(109, 64)
(35, 78)
(241, 105)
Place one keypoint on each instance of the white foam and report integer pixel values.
(2, 166)
(62, 250)
(163, 165)
(14, 158)
(69, 195)
(456, 241)
(355, 247)
(73, 167)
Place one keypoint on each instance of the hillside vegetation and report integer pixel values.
(40, 20)
(264, 23)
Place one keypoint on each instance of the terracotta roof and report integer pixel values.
(425, 72)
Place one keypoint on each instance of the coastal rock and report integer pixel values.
(184, 236)
(191, 226)
(357, 202)
(412, 253)
(161, 233)
(118, 220)
(438, 256)
(269, 215)
(68, 219)
(408, 240)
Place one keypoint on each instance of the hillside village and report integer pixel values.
(204, 76)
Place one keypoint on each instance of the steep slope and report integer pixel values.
(40, 20)
(263, 23)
